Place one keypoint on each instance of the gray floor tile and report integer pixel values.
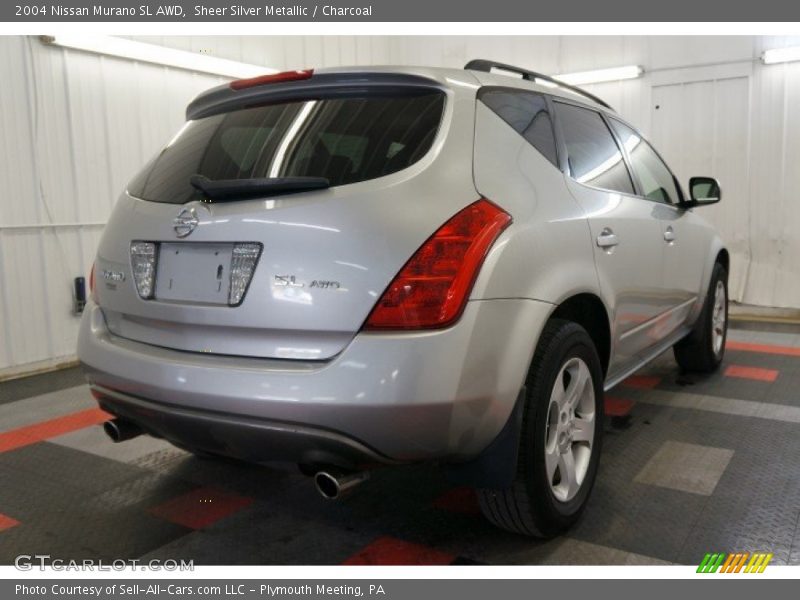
(778, 338)
(45, 407)
(569, 551)
(686, 467)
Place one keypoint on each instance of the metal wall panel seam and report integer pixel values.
(33, 101)
(6, 306)
(76, 197)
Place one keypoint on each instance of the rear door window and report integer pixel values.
(593, 155)
(527, 113)
(345, 140)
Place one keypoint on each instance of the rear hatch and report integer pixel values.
(275, 219)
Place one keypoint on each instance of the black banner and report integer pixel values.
(398, 11)
(393, 589)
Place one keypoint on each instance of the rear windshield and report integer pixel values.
(345, 140)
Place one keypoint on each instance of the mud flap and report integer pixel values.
(496, 466)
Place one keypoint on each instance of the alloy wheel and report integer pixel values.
(569, 434)
(718, 318)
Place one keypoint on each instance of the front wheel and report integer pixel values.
(560, 439)
(703, 349)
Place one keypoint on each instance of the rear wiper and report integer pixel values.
(231, 189)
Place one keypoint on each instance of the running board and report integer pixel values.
(657, 351)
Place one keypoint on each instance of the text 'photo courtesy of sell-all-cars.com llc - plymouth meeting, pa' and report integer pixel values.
(354, 268)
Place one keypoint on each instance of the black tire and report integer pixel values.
(530, 506)
(696, 352)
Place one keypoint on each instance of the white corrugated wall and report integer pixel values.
(74, 127)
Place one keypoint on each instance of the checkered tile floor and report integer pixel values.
(690, 465)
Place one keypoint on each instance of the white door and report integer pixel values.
(701, 128)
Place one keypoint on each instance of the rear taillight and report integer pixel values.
(241, 84)
(431, 290)
(92, 295)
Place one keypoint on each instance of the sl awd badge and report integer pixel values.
(292, 282)
(112, 278)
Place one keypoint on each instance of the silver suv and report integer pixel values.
(359, 267)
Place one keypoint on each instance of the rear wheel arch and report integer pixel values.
(588, 311)
(533, 502)
(724, 258)
(496, 466)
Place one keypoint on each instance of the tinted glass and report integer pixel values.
(345, 140)
(655, 178)
(593, 154)
(527, 113)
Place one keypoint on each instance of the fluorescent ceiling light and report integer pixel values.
(781, 55)
(601, 75)
(159, 55)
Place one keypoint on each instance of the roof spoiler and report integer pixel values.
(230, 97)
(486, 66)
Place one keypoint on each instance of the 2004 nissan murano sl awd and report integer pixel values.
(371, 266)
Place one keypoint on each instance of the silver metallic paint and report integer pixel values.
(409, 395)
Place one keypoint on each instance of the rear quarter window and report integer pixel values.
(345, 140)
(527, 113)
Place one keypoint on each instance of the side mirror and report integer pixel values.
(703, 191)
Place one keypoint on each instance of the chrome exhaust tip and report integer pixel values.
(120, 430)
(333, 485)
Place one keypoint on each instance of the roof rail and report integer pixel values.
(486, 66)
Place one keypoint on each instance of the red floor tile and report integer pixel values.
(25, 436)
(763, 348)
(642, 382)
(391, 551)
(755, 373)
(460, 500)
(201, 507)
(617, 407)
(7, 522)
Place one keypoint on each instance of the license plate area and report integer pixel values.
(194, 272)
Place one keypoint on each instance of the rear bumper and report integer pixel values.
(246, 438)
(385, 398)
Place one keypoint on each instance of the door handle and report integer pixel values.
(607, 239)
(669, 235)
